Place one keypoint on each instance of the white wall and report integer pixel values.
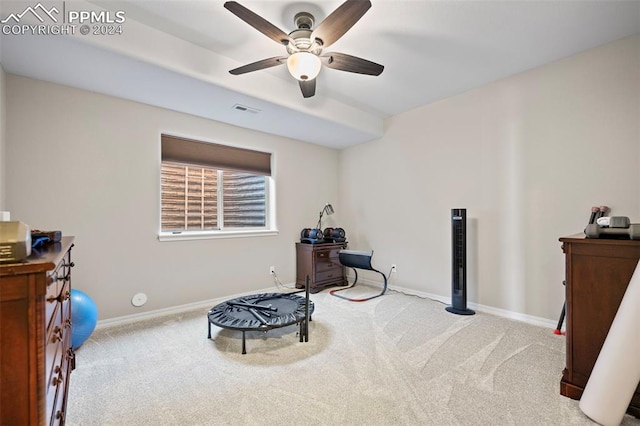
(3, 128)
(89, 165)
(527, 156)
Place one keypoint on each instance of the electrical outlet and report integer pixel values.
(272, 270)
(394, 269)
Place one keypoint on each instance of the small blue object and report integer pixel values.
(84, 316)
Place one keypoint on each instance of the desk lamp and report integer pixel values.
(328, 209)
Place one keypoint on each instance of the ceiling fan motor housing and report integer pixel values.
(303, 43)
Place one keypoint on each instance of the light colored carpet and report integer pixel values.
(394, 360)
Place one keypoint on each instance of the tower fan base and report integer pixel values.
(460, 311)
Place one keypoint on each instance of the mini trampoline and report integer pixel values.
(262, 312)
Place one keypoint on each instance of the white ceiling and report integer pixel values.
(176, 54)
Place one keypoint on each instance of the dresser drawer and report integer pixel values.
(327, 254)
(326, 260)
(334, 253)
(51, 300)
(328, 265)
(65, 303)
(60, 391)
(61, 354)
(54, 343)
(330, 275)
(56, 377)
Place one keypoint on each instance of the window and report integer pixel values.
(211, 190)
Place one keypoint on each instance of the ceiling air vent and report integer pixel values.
(244, 108)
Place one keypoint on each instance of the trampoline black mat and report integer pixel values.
(260, 312)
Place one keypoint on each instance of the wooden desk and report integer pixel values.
(598, 272)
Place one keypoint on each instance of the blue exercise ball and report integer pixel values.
(84, 316)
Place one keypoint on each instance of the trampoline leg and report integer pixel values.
(244, 345)
(306, 310)
(209, 334)
(304, 331)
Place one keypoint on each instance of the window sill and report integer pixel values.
(209, 235)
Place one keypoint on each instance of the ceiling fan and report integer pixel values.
(305, 44)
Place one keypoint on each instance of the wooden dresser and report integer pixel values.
(36, 357)
(598, 272)
(320, 262)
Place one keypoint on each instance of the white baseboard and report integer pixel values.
(529, 319)
(127, 319)
(204, 304)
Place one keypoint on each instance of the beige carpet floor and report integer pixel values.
(394, 360)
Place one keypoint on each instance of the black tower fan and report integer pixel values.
(459, 263)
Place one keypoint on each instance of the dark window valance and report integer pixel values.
(189, 151)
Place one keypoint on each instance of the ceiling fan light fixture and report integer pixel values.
(304, 66)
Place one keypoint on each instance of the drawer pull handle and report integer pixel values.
(71, 355)
(57, 380)
(57, 334)
(61, 298)
(55, 277)
(52, 278)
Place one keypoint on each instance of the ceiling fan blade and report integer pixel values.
(339, 21)
(259, 65)
(308, 88)
(258, 22)
(344, 62)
